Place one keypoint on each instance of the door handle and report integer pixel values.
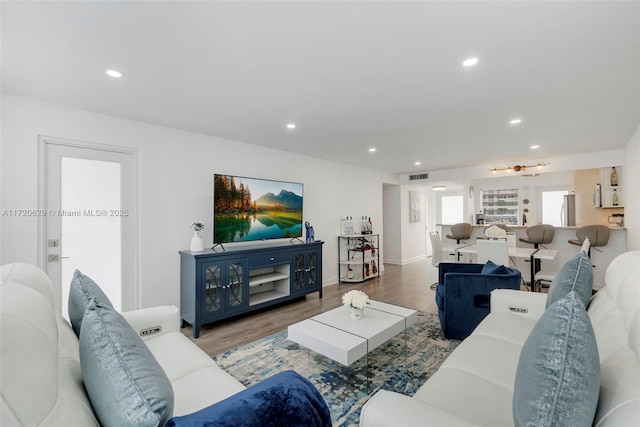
(55, 257)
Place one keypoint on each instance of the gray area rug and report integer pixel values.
(391, 366)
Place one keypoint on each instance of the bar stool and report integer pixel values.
(598, 235)
(543, 278)
(539, 234)
(460, 231)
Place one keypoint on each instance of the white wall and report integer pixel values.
(404, 241)
(175, 183)
(631, 177)
(414, 234)
(392, 225)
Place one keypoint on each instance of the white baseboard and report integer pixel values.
(414, 259)
(405, 261)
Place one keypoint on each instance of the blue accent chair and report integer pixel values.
(464, 291)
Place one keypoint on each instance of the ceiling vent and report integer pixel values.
(418, 176)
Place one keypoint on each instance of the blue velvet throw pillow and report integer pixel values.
(125, 383)
(558, 375)
(492, 268)
(575, 275)
(284, 399)
(81, 292)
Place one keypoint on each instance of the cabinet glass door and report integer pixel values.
(213, 288)
(313, 270)
(235, 295)
(298, 271)
(305, 270)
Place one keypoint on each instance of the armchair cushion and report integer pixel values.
(81, 292)
(463, 296)
(283, 399)
(125, 383)
(492, 268)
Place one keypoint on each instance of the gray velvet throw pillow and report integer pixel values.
(558, 375)
(125, 383)
(575, 275)
(81, 292)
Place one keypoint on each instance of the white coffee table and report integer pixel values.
(336, 335)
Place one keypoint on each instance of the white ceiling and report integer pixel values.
(351, 75)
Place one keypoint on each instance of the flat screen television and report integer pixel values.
(248, 209)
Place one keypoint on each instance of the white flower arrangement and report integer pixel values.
(197, 226)
(355, 299)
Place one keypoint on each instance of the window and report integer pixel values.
(451, 209)
(500, 206)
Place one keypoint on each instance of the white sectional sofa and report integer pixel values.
(475, 384)
(41, 379)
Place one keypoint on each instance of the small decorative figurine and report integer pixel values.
(310, 235)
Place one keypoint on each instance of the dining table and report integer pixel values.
(516, 252)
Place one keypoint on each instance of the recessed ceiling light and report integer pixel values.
(291, 126)
(534, 147)
(515, 121)
(372, 149)
(417, 163)
(114, 73)
(470, 62)
(439, 188)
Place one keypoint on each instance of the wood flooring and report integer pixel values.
(407, 286)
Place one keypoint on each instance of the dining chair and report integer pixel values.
(494, 231)
(500, 231)
(496, 250)
(436, 256)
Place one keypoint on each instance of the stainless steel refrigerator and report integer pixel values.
(568, 211)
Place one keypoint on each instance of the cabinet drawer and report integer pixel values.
(269, 259)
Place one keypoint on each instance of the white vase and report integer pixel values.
(196, 242)
(356, 313)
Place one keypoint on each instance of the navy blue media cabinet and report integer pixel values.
(218, 284)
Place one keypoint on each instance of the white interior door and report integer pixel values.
(90, 223)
